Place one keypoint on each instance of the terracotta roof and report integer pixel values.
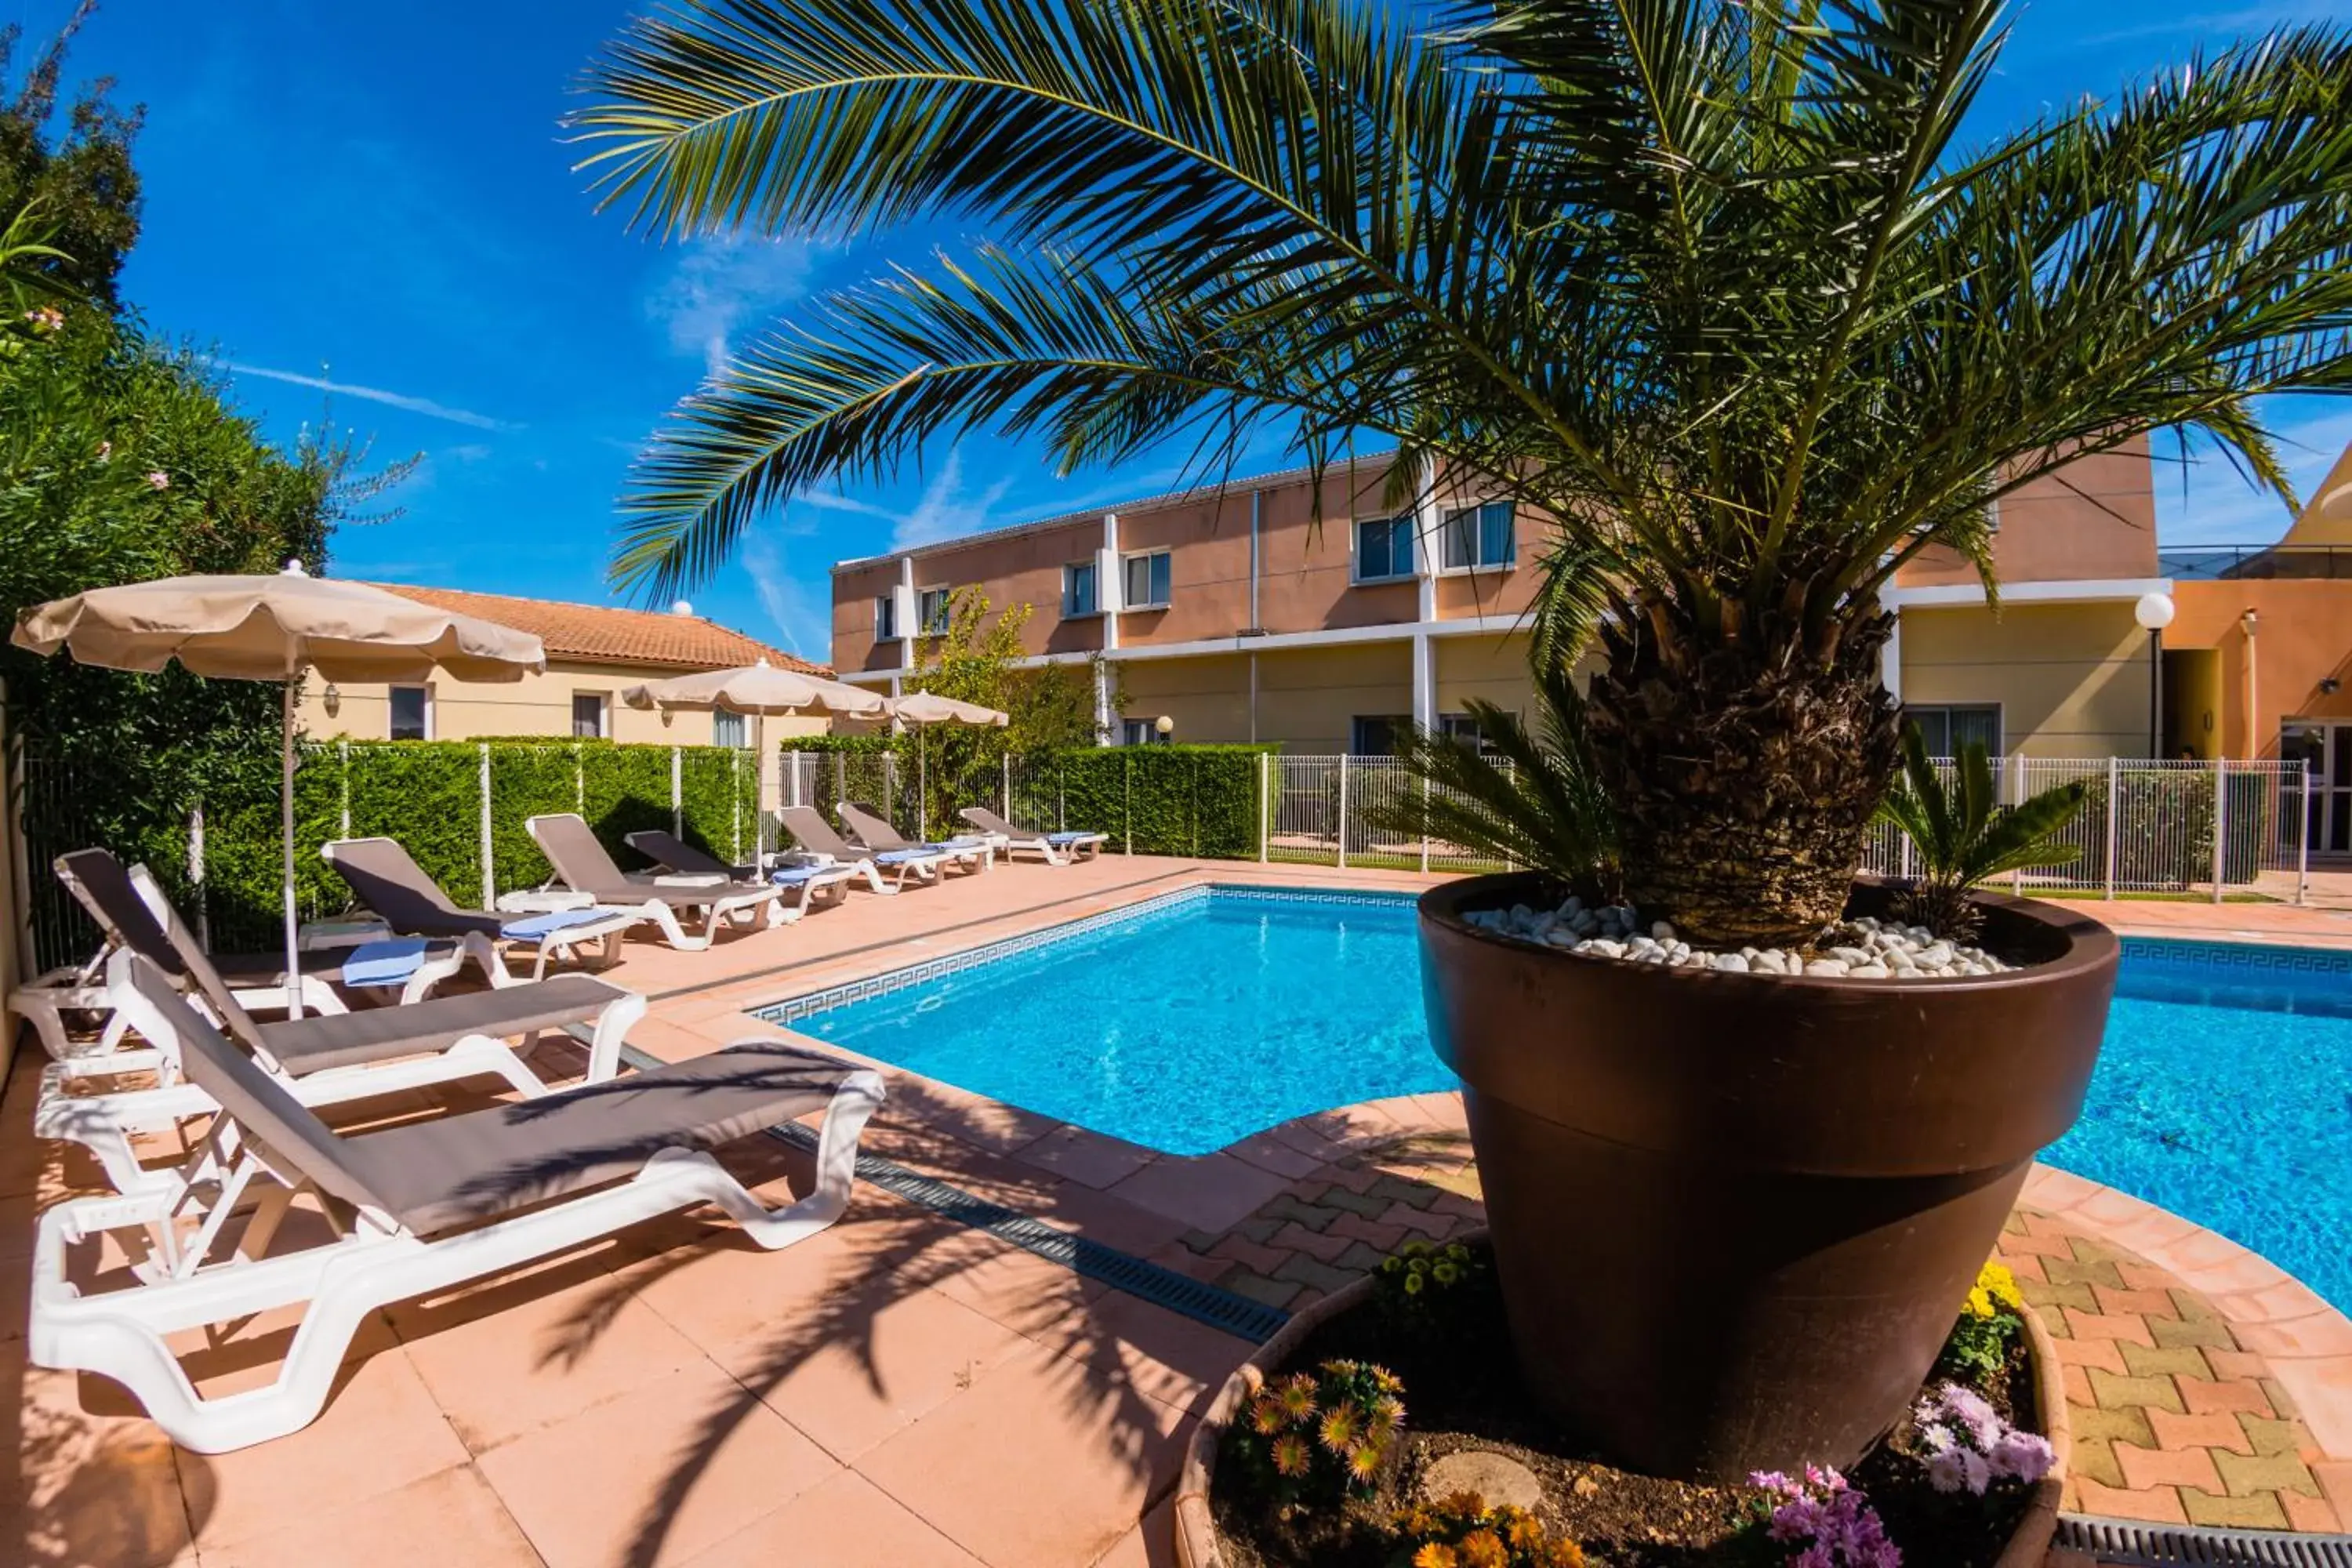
(601, 634)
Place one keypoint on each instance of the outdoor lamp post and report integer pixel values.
(2155, 612)
(1165, 725)
(2247, 622)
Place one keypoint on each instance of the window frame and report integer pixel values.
(603, 700)
(1463, 725)
(926, 623)
(1143, 732)
(1070, 571)
(1407, 524)
(1394, 723)
(1997, 750)
(392, 711)
(1477, 536)
(1126, 570)
(886, 617)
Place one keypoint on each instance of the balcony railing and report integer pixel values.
(2208, 563)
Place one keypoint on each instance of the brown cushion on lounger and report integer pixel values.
(460, 1169)
(582, 861)
(666, 848)
(382, 876)
(378, 1034)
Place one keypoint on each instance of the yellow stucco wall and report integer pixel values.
(2072, 680)
(1208, 697)
(1494, 669)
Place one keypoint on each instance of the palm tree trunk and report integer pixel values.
(1745, 773)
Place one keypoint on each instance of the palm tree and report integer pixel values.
(1720, 287)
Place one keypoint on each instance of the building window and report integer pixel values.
(886, 617)
(1462, 727)
(1481, 536)
(1947, 728)
(588, 711)
(728, 729)
(1383, 548)
(1142, 732)
(411, 713)
(1078, 589)
(1147, 582)
(1374, 735)
(932, 610)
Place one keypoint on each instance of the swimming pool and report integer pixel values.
(2224, 1093)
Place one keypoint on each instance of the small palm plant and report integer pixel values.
(1962, 838)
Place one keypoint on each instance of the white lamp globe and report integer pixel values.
(2154, 612)
(1166, 725)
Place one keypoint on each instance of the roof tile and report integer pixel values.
(599, 634)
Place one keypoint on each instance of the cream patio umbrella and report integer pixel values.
(758, 691)
(922, 709)
(277, 627)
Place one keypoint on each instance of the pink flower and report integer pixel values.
(47, 318)
(105, 451)
(2022, 1456)
(157, 479)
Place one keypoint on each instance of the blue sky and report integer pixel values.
(368, 209)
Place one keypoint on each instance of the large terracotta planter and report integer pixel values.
(1734, 1215)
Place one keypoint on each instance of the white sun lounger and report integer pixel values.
(1058, 848)
(801, 884)
(416, 1208)
(873, 830)
(326, 1059)
(582, 864)
(811, 831)
(382, 875)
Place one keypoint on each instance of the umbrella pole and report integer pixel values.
(922, 784)
(286, 822)
(760, 795)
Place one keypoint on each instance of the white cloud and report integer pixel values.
(802, 618)
(423, 405)
(716, 286)
(945, 510)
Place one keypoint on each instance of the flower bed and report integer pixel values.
(1388, 1429)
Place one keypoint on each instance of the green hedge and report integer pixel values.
(1156, 800)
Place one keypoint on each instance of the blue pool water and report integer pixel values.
(2224, 1093)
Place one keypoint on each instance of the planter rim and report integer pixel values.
(2089, 943)
(1195, 1525)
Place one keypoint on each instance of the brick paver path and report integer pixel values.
(2174, 1420)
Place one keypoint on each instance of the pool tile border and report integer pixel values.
(2241, 955)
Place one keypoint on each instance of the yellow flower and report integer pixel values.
(1266, 1417)
(1564, 1554)
(1433, 1555)
(1291, 1456)
(1297, 1397)
(1997, 1282)
(1364, 1463)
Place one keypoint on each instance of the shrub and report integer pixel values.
(1461, 1532)
(1312, 1438)
(1415, 1280)
(1817, 1521)
(1968, 1447)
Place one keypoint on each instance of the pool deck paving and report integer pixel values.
(905, 1390)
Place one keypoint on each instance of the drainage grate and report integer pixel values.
(2164, 1546)
(1179, 1293)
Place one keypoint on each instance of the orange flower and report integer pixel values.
(1266, 1417)
(1297, 1397)
(1291, 1456)
(1364, 1463)
(1340, 1425)
(1433, 1555)
(1524, 1534)
(1563, 1554)
(1482, 1549)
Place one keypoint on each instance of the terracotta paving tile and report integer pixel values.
(1268, 1153)
(2212, 1430)
(450, 1519)
(2316, 1515)
(1100, 1453)
(380, 1432)
(1024, 1293)
(842, 1521)
(2118, 1302)
(2048, 1188)
(726, 1288)
(1092, 1159)
(852, 1378)
(2203, 1395)
(85, 1485)
(668, 1469)
(1207, 1193)
(2148, 1468)
(2159, 1504)
(508, 1357)
(2322, 1390)
(1162, 1354)
(1150, 1544)
(2103, 1326)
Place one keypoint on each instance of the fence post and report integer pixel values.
(2017, 798)
(579, 778)
(1008, 786)
(2303, 838)
(793, 798)
(1424, 826)
(196, 876)
(1343, 811)
(2115, 785)
(1127, 784)
(489, 871)
(1265, 807)
(676, 792)
(343, 772)
(2220, 824)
